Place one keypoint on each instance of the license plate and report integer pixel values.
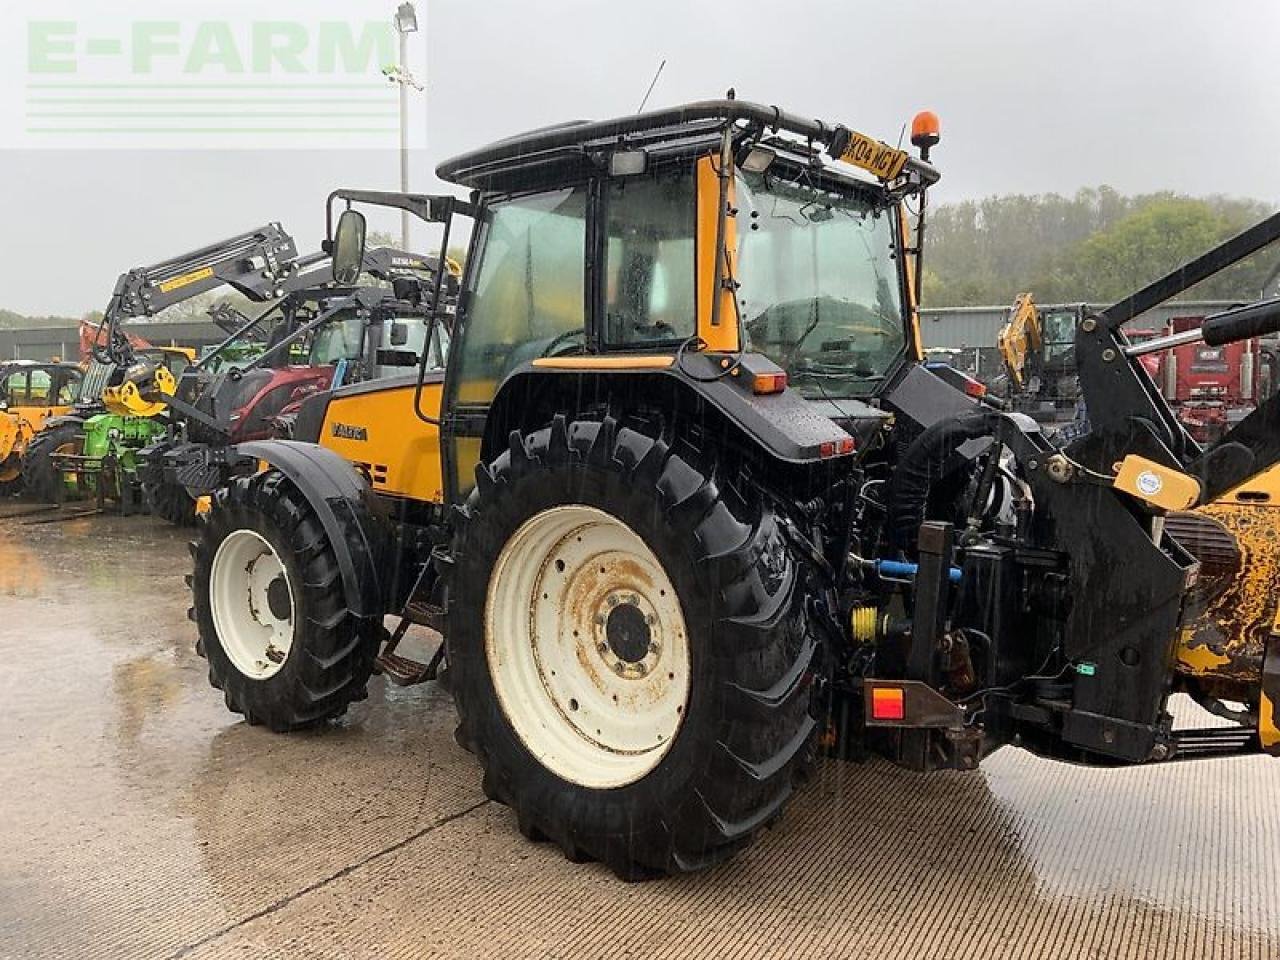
(873, 156)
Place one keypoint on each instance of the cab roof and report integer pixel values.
(569, 150)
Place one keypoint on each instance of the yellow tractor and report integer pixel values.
(687, 505)
(31, 392)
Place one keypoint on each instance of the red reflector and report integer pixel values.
(975, 389)
(887, 703)
(769, 383)
(827, 449)
(846, 445)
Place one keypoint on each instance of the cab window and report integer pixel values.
(69, 389)
(649, 260)
(527, 295)
(339, 339)
(29, 388)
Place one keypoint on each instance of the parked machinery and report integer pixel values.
(31, 392)
(322, 337)
(687, 504)
(1210, 388)
(92, 449)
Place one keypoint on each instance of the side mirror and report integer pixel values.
(348, 247)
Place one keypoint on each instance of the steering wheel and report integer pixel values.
(556, 342)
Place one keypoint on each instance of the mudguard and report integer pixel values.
(346, 509)
(65, 418)
(783, 425)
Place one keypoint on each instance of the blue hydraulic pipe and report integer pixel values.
(899, 570)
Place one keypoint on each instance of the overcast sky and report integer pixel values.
(1033, 96)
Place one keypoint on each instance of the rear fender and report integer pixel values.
(782, 428)
(346, 508)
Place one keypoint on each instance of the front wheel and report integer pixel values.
(268, 602)
(169, 502)
(628, 649)
(41, 475)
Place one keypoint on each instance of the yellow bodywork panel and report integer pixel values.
(1020, 337)
(1226, 640)
(916, 347)
(379, 432)
(17, 426)
(1156, 484)
(187, 353)
(1268, 726)
(613, 362)
(721, 337)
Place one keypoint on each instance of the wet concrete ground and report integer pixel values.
(139, 819)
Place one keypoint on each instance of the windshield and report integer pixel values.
(819, 289)
(339, 339)
(1058, 329)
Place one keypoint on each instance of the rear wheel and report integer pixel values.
(628, 649)
(41, 476)
(268, 603)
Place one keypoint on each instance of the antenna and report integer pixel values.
(653, 83)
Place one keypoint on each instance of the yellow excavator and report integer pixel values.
(1233, 609)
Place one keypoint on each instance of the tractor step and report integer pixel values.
(405, 672)
(424, 614)
(1214, 741)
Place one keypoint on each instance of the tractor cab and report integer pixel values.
(33, 389)
(722, 244)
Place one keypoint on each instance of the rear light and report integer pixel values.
(768, 383)
(974, 389)
(836, 448)
(887, 703)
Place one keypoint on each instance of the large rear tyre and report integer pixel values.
(41, 478)
(628, 649)
(268, 602)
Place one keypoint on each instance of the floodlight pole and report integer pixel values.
(406, 22)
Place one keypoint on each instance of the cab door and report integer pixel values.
(524, 296)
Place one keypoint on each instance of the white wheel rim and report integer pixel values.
(587, 648)
(246, 577)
